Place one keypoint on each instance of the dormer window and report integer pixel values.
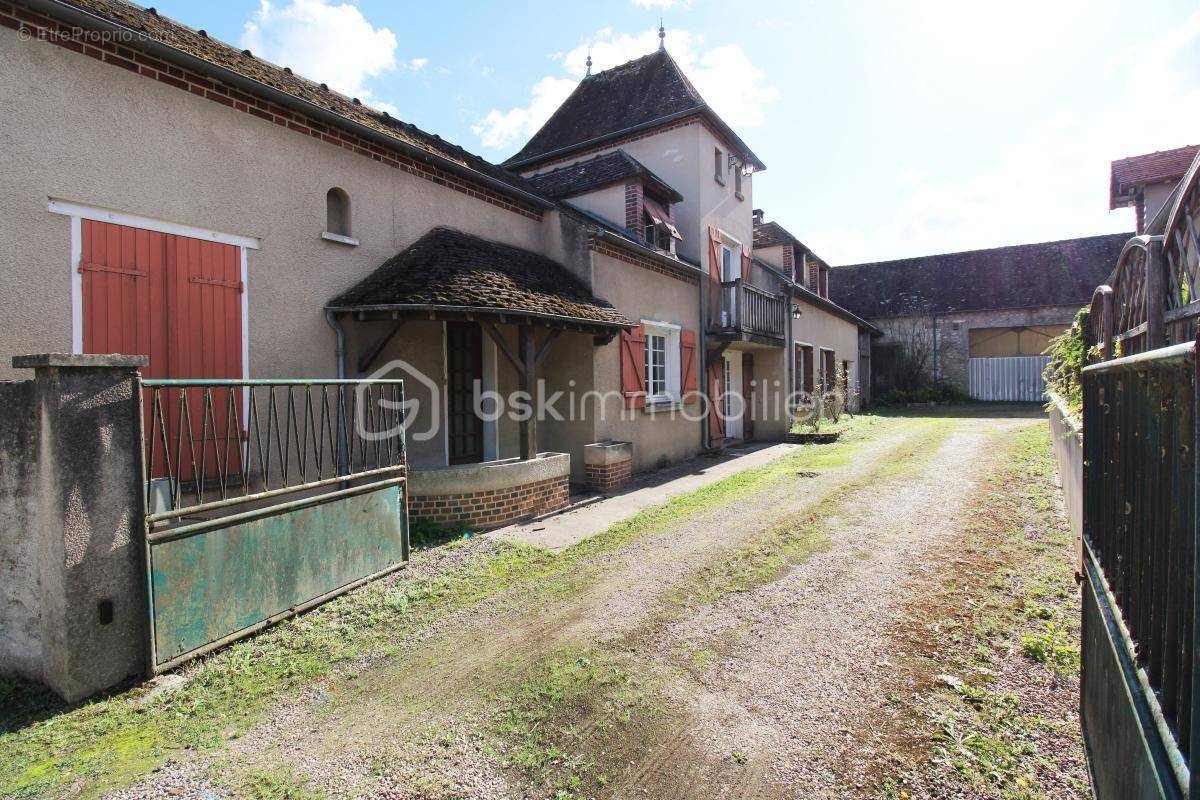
(660, 231)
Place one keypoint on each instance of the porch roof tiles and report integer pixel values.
(597, 172)
(449, 269)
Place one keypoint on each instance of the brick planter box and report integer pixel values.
(490, 494)
(608, 465)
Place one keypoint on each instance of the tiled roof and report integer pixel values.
(1063, 273)
(769, 234)
(807, 295)
(198, 44)
(636, 95)
(448, 268)
(1130, 173)
(594, 173)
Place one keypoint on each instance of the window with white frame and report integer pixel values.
(718, 166)
(662, 362)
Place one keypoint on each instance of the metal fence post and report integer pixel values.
(1194, 719)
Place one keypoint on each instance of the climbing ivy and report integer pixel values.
(1069, 353)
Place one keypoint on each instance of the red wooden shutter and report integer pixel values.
(205, 309)
(716, 414)
(745, 264)
(747, 396)
(633, 367)
(688, 381)
(714, 274)
(797, 369)
(124, 293)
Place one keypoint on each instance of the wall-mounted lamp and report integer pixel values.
(796, 312)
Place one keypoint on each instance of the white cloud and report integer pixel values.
(503, 128)
(1053, 182)
(663, 3)
(416, 64)
(326, 42)
(724, 76)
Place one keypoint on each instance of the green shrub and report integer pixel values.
(926, 394)
(1069, 353)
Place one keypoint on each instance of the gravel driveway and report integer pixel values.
(671, 667)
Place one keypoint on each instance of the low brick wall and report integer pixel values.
(608, 465)
(492, 494)
(606, 477)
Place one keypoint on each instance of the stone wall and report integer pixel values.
(948, 336)
(490, 495)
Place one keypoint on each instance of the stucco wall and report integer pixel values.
(109, 138)
(607, 202)
(951, 332)
(73, 600)
(643, 294)
(819, 328)
(683, 157)
(20, 605)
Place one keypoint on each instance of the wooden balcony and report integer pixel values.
(746, 312)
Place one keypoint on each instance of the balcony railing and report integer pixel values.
(747, 309)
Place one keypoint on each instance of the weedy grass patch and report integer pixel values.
(1010, 619)
(48, 748)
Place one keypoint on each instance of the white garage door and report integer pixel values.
(1018, 378)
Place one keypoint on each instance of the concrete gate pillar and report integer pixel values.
(73, 611)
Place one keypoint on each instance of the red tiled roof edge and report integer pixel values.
(427, 164)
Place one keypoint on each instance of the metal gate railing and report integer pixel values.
(1138, 696)
(1007, 379)
(264, 498)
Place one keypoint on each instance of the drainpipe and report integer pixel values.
(343, 454)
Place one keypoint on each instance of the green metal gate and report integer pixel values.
(264, 498)
(1138, 683)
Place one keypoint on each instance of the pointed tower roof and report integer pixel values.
(643, 93)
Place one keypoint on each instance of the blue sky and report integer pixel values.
(889, 129)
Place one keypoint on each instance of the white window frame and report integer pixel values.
(669, 331)
(77, 212)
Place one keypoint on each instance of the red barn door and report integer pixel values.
(178, 301)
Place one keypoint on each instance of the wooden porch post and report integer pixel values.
(528, 384)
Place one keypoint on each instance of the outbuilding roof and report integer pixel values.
(598, 172)
(639, 94)
(1062, 273)
(174, 41)
(1128, 174)
(447, 269)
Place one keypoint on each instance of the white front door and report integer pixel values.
(733, 400)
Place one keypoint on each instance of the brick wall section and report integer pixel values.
(493, 508)
(633, 207)
(684, 274)
(789, 261)
(118, 55)
(606, 477)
